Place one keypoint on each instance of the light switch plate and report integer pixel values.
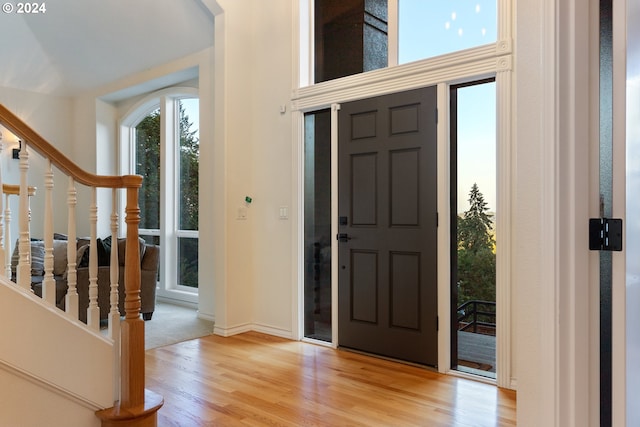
(242, 213)
(284, 212)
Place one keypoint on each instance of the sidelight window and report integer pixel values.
(473, 237)
(317, 226)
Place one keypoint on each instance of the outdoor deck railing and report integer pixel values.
(477, 314)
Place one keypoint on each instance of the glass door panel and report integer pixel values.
(317, 226)
(473, 207)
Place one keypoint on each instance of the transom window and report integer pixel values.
(431, 28)
(356, 36)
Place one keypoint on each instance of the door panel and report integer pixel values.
(387, 263)
(404, 184)
(364, 188)
(364, 286)
(404, 290)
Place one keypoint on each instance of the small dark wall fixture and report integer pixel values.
(16, 151)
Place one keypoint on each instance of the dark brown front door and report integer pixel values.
(387, 257)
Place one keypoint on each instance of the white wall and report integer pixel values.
(253, 53)
(47, 356)
(51, 117)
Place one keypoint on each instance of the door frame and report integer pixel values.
(442, 72)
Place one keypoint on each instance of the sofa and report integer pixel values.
(149, 255)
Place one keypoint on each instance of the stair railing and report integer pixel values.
(8, 190)
(134, 405)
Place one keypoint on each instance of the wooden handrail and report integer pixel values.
(23, 131)
(14, 189)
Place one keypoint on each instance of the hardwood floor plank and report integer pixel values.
(254, 379)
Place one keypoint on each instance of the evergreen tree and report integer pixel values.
(148, 165)
(474, 228)
(476, 256)
(188, 217)
(189, 154)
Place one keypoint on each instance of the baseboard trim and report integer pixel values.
(234, 330)
(249, 327)
(177, 301)
(271, 330)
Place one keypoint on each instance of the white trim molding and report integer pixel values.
(505, 194)
(494, 60)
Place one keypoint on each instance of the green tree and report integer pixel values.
(476, 256)
(189, 155)
(188, 193)
(147, 165)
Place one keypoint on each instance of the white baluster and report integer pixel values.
(71, 302)
(24, 246)
(48, 283)
(114, 312)
(3, 249)
(93, 311)
(114, 270)
(7, 236)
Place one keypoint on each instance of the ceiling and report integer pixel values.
(80, 45)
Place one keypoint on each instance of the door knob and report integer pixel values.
(343, 237)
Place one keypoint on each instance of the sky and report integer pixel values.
(434, 27)
(191, 108)
(429, 28)
(477, 143)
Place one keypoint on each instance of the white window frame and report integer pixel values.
(492, 60)
(169, 232)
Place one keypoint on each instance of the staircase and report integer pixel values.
(54, 369)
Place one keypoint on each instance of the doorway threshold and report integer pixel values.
(472, 374)
(390, 359)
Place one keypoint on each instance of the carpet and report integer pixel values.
(171, 324)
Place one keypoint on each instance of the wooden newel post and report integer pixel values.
(132, 332)
(137, 407)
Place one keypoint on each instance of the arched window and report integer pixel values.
(160, 141)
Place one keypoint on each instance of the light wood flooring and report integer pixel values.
(259, 380)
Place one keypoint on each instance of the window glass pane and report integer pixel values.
(150, 239)
(350, 37)
(428, 28)
(474, 254)
(189, 152)
(148, 165)
(188, 262)
(317, 226)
